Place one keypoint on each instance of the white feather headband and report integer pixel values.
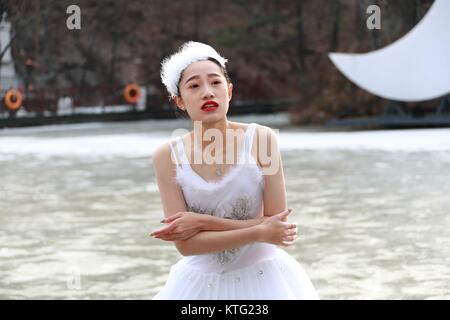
(173, 66)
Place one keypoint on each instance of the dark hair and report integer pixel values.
(224, 71)
(182, 113)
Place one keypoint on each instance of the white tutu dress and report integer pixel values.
(257, 270)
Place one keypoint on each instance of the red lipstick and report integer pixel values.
(210, 106)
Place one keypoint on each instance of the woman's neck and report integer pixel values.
(207, 133)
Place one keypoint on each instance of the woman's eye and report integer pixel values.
(216, 82)
(194, 86)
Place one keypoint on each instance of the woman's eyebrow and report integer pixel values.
(197, 76)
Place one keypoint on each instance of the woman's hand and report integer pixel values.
(274, 230)
(181, 226)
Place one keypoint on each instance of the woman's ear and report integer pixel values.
(230, 91)
(179, 102)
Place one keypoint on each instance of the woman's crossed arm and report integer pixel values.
(195, 233)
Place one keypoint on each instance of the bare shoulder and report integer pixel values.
(260, 129)
(264, 134)
(162, 152)
(264, 131)
(161, 158)
(266, 137)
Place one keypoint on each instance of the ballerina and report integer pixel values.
(227, 218)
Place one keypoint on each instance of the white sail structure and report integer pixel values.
(416, 67)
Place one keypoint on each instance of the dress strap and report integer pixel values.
(181, 151)
(175, 155)
(249, 138)
(178, 151)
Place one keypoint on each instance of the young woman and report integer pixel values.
(224, 200)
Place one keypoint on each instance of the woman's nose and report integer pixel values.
(208, 93)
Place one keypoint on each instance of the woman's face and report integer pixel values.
(204, 92)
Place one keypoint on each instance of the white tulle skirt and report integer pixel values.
(260, 271)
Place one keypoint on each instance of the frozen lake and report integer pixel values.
(77, 203)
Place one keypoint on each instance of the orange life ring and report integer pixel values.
(132, 93)
(13, 99)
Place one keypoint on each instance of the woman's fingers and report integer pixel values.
(164, 230)
(159, 232)
(175, 237)
(289, 238)
(291, 232)
(287, 243)
(173, 217)
(168, 237)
